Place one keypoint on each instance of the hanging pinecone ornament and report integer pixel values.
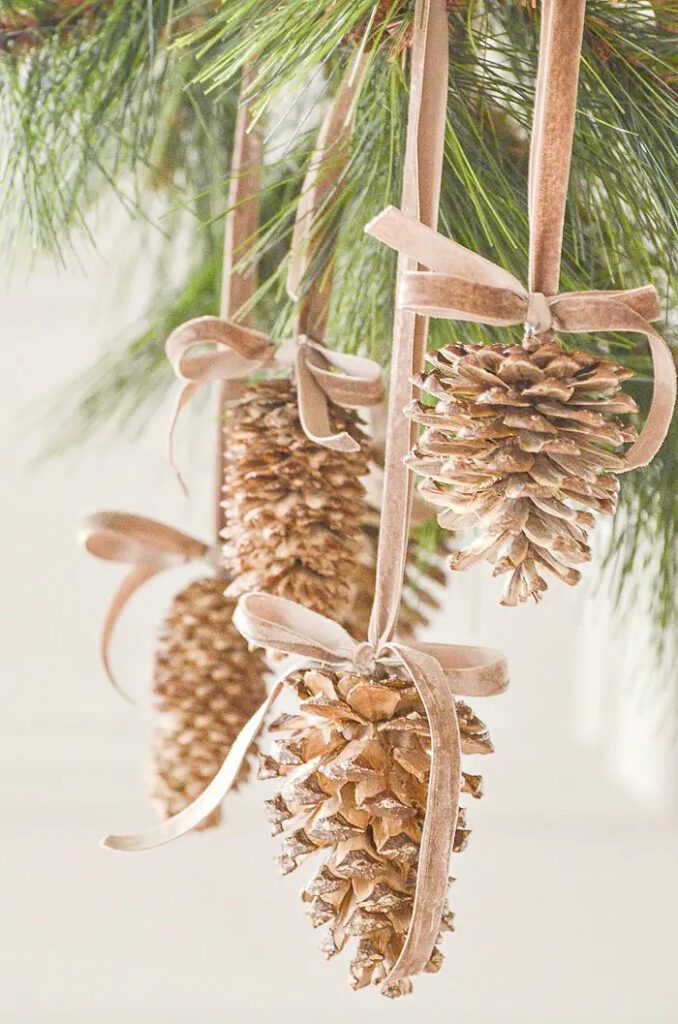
(293, 509)
(354, 764)
(207, 684)
(521, 445)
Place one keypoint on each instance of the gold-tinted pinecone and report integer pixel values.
(207, 683)
(519, 446)
(293, 509)
(354, 764)
(424, 576)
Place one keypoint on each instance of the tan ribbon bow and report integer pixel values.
(439, 672)
(147, 545)
(461, 285)
(322, 375)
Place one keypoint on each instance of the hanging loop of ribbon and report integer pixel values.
(149, 547)
(322, 376)
(440, 672)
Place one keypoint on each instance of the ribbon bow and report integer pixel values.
(147, 545)
(322, 375)
(439, 672)
(461, 285)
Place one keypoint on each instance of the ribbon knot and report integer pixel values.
(461, 285)
(365, 658)
(321, 375)
(538, 318)
(438, 671)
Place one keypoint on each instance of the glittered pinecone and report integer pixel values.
(424, 576)
(207, 684)
(520, 446)
(293, 509)
(354, 764)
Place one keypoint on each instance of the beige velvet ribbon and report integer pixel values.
(238, 283)
(322, 376)
(149, 547)
(420, 197)
(439, 671)
(461, 285)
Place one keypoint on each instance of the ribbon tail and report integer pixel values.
(211, 797)
(314, 412)
(131, 583)
(185, 393)
(442, 808)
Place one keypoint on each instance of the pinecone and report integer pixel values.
(423, 577)
(355, 762)
(293, 509)
(207, 683)
(519, 445)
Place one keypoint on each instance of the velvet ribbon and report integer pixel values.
(149, 547)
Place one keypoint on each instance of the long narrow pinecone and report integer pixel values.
(207, 684)
(424, 577)
(355, 763)
(519, 446)
(293, 509)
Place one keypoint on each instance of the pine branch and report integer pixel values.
(81, 86)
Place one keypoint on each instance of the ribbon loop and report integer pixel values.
(240, 351)
(149, 547)
(288, 627)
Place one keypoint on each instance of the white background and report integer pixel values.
(566, 899)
